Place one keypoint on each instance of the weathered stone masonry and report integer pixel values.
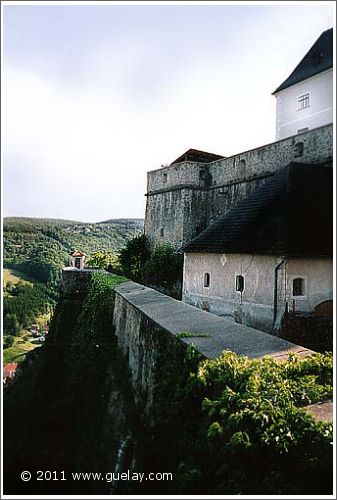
(184, 198)
(146, 322)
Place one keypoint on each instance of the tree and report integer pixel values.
(11, 325)
(8, 341)
(165, 265)
(103, 260)
(134, 256)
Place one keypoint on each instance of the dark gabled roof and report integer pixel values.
(197, 156)
(318, 59)
(290, 214)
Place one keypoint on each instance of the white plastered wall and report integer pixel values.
(320, 111)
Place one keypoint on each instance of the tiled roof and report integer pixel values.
(9, 369)
(197, 156)
(290, 214)
(318, 59)
(78, 254)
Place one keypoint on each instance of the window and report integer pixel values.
(301, 130)
(165, 178)
(298, 287)
(240, 283)
(162, 231)
(202, 174)
(303, 101)
(207, 280)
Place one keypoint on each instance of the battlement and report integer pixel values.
(313, 146)
(184, 198)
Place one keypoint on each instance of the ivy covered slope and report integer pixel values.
(225, 426)
(74, 413)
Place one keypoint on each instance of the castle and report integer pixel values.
(191, 201)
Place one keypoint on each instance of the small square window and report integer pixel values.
(207, 280)
(303, 101)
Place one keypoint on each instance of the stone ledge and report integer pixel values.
(221, 333)
(321, 412)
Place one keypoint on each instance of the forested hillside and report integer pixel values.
(39, 248)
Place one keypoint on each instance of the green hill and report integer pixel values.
(29, 241)
(35, 250)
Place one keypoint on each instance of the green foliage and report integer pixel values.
(8, 341)
(254, 414)
(11, 324)
(186, 335)
(14, 353)
(103, 260)
(40, 248)
(225, 426)
(165, 265)
(26, 304)
(234, 425)
(161, 268)
(134, 256)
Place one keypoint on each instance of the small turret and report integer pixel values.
(76, 259)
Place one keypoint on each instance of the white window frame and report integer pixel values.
(244, 284)
(302, 100)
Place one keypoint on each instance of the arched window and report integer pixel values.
(298, 287)
(207, 280)
(164, 178)
(239, 283)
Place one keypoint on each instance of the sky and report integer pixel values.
(94, 96)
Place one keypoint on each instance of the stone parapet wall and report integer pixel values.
(75, 281)
(147, 325)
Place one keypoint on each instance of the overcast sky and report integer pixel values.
(94, 96)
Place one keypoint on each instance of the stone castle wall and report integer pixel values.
(145, 323)
(184, 198)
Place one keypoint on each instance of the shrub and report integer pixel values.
(165, 265)
(133, 257)
(103, 260)
(8, 341)
(11, 324)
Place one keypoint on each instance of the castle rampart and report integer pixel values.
(184, 198)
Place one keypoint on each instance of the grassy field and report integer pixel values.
(13, 276)
(17, 352)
